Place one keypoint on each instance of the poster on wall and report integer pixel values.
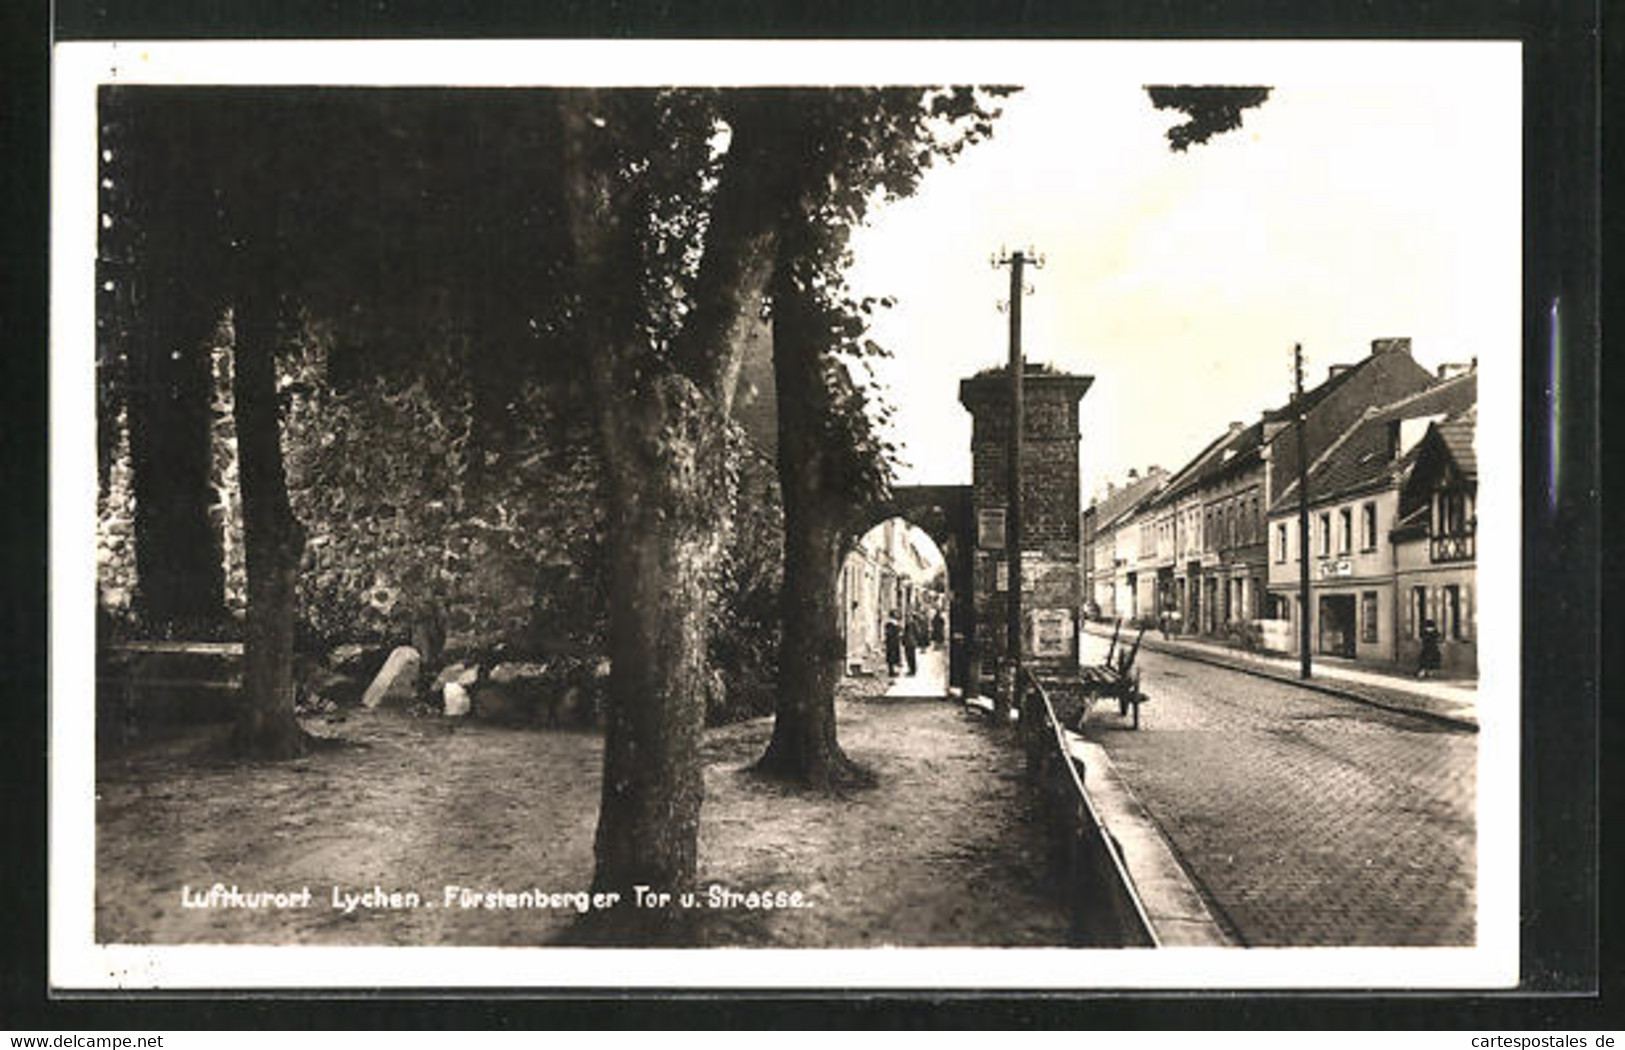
(990, 528)
(1052, 632)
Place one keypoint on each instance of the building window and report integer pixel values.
(1368, 527)
(1419, 610)
(1280, 544)
(1368, 616)
(1325, 535)
(1345, 530)
(1452, 514)
(1452, 612)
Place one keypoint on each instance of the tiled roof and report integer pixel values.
(1312, 397)
(1240, 452)
(1188, 476)
(1457, 435)
(1450, 439)
(1360, 457)
(1127, 499)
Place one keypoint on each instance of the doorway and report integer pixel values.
(1337, 626)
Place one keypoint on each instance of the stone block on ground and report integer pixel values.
(503, 704)
(397, 682)
(533, 693)
(461, 673)
(522, 673)
(334, 686)
(358, 660)
(457, 701)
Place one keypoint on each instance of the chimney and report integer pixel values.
(1399, 345)
(1133, 475)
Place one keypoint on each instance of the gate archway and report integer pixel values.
(945, 514)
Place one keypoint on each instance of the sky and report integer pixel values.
(1375, 194)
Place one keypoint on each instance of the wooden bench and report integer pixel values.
(163, 681)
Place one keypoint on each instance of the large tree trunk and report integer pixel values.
(804, 748)
(662, 434)
(667, 511)
(179, 566)
(273, 540)
(164, 306)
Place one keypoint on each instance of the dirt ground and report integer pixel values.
(940, 853)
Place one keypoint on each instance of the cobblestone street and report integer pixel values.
(1305, 819)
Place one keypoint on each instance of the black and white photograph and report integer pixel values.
(769, 514)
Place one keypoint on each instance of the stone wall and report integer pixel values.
(226, 504)
(412, 531)
(115, 531)
(405, 528)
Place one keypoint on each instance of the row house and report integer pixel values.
(1208, 527)
(1359, 521)
(1435, 545)
(1183, 520)
(1112, 584)
(1234, 555)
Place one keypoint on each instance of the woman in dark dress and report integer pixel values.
(1428, 662)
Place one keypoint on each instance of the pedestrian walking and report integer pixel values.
(894, 644)
(911, 644)
(1427, 663)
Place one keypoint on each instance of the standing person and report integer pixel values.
(894, 644)
(1428, 662)
(911, 644)
(937, 628)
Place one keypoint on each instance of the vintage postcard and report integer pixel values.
(759, 514)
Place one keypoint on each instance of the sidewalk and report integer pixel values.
(1447, 701)
(929, 681)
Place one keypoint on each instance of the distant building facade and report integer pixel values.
(1435, 546)
(1112, 580)
(1360, 542)
(1197, 557)
(886, 573)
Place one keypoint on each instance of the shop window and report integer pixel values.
(1368, 616)
(1452, 612)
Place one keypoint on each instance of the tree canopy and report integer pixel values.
(1212, 110)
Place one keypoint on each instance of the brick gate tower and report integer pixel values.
(1051, 556)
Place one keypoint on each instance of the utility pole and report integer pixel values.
(1303, 515)
(1004, 698)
